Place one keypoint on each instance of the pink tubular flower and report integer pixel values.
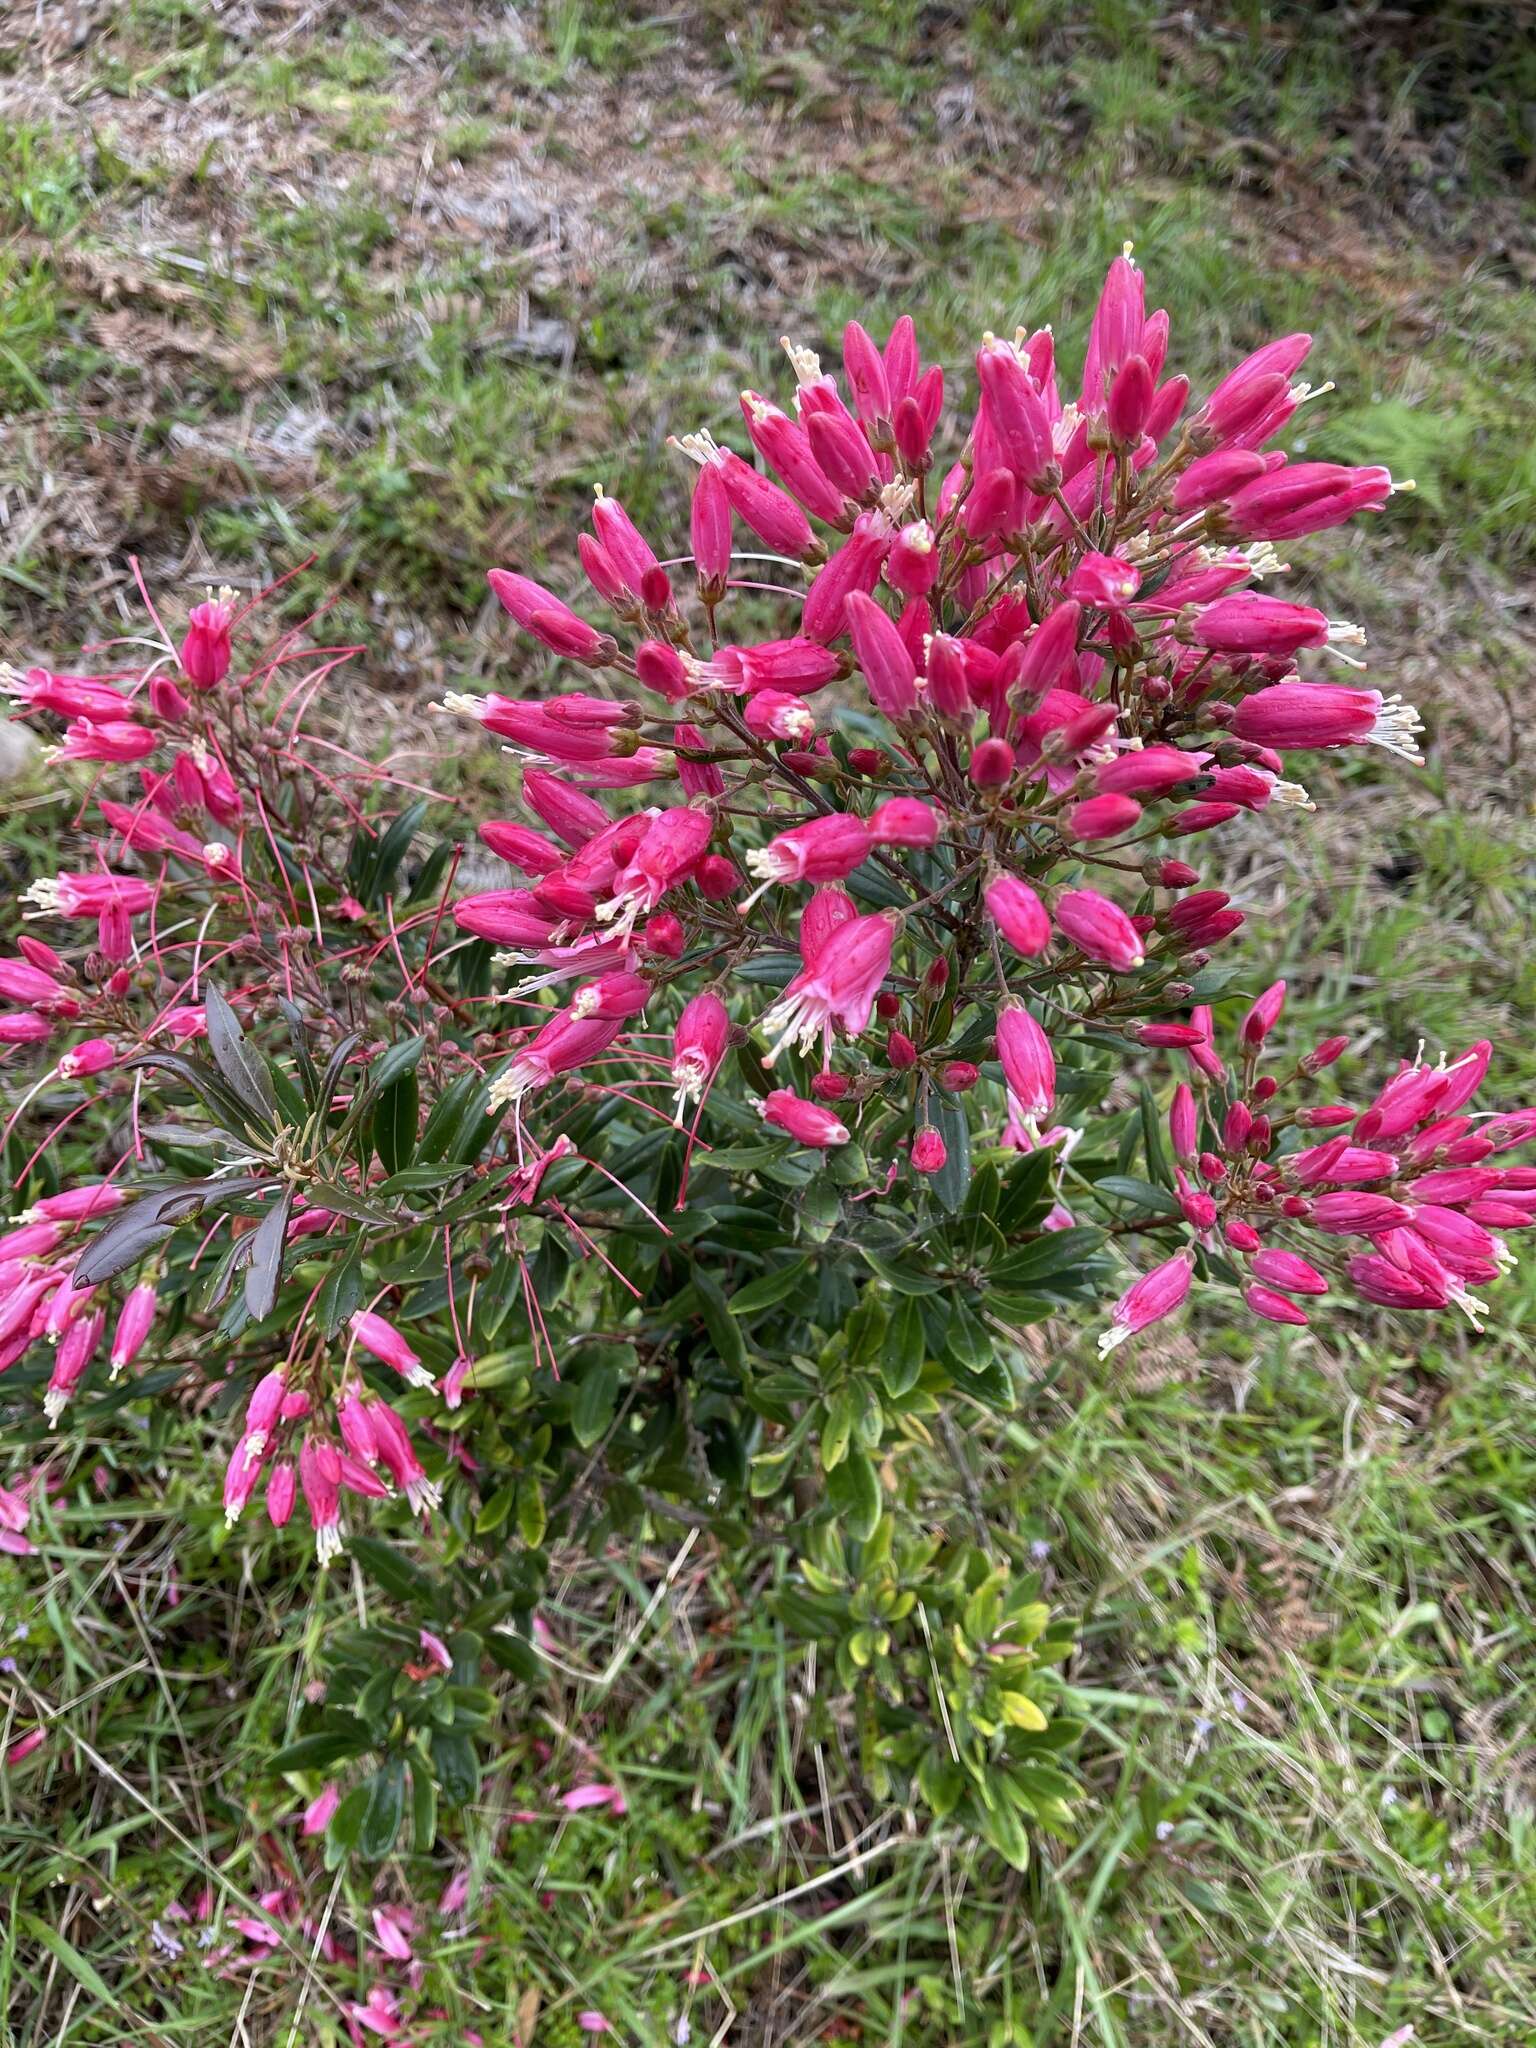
(882, 655)
(282, 1491)
(317, 1815)
(1289, 716)
(120, 740)
(387, 1345)
(806, 1122)
(1305, 497)
(825, 849)
(66, 696)
(206, 650)
(671, 847)
(698, 1045)
(77, 1347)
(541, 613)
(1148, 1300)
(87, 896)
(620, 995)
(1099, 929)
(1029, 1065)
(1018, 914)
(837, 989)
(320, 1479)
(395, 1452)
(1252, 624)
(1286, 1269)
(1264, 1015)
(1101, 817)
(133, 1326)
(27, 1745)
(1016, 414)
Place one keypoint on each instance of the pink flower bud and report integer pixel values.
(282, 1490)
(991, 764)
(1148, 1300)
(929, 1152)
(1019, 914)
(1264, 1015)
(710, 534)
(317, 1815)
(904, 821)
(119, 740)
(1104, 581)
(842, 454)
(1099, 929)
(1130, 400)
(1286, 1269)
(621, 995)
(664, 937)
(790, 452)
(540, 612)
(882, 655)
(1017, 416)
(1305, 497)
(772, 515)
(1029, 1066)
(1101, 817)
(806, 1122)
(1273, 1307)
(1147, 771)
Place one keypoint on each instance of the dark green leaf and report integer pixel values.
(265, 1268)
(769, 1288)
(319, 1752)
(384, 1811)
(394, 1122)
(240, 1064)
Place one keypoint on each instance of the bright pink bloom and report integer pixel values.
(317, 1815)
(1285, 1269)
(1304, 715)
(119, 740)
(882, 655)
(133, 1325)
(1099, 929)
(320, 1478)
(1018, 914)
(206, 650)
(710, 533)
(825, 849)
(837, 989)
(26, 1746)
(776, 715)
(387, 1345)
(806, 1122)
(89, 895)
(1264, 1015)
(620, 995)
(1029, 1065)
(698, 1045)
(1148, 1300)
(1101, 817)
(395, 1452)
(1273, 1307)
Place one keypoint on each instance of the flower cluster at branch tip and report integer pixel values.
(917, 841)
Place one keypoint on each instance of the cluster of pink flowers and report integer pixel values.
(1416, 1175)
(1014, 686)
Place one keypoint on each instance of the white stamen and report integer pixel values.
(1397, 725)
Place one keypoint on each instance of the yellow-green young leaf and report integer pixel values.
(1029, 1622)
(842, 1413)
(818, 1580)
(495, 1511)
(532, 1515)
(1020, 1711)
(1001, 1826)
(864, 1645)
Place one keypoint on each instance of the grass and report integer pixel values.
(1303, 1569)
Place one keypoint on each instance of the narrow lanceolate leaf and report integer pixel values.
(240, 1064)
(265, 1271)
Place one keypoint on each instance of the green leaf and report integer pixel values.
(905, 1350)
(1056, 1251)
(597, 1394)
(341, 1291)
(1001, 1827)
(423, 1809)
(458, 1772)
(264, 1270)
(953, 1179)
(318, 1752)
(853, 1488)
(396, 1062)
(1026, 1193)
(1125, 1187)
(394, 1122)
(722, 1326)
(769, 1288)
(79, 1967)
(384, 1812)
(242, 1067)
(396, 1574)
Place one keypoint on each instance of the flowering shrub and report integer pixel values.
(514, 1205)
